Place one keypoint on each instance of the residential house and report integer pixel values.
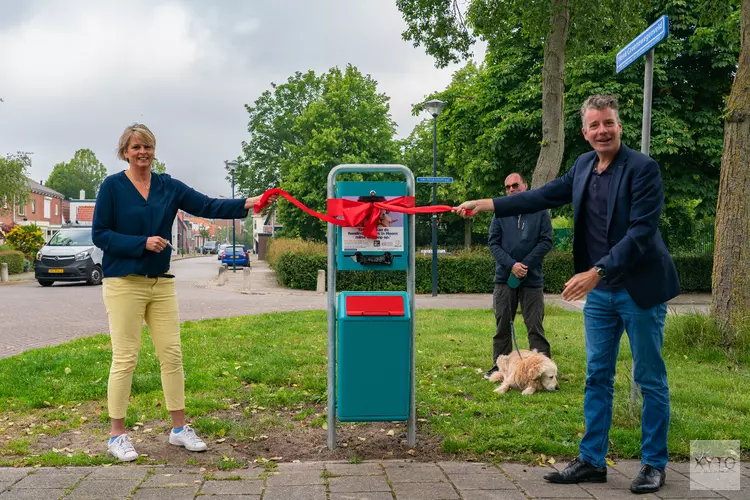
(81, 211)
(184, 236)
(43, 207)
(196, 225)
(264, 226)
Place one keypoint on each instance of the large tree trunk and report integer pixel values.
(731, 274)
(553, 90)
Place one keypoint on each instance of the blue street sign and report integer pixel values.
(643, 43)
(434, 180)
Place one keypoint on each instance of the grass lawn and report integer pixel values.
(262, 367)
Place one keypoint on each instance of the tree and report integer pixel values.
(731, 273)
(271, 122)
(158, 167)
(224, 234)
(439, 25)
(305, 127)
(349, 123)
(13, 182)
(492, 125)
(82, 172)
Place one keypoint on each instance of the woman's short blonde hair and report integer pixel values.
(135, 129)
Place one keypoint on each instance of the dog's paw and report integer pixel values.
(496, 377)
(502, 389)
(528, 391)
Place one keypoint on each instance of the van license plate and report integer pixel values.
(57, 271)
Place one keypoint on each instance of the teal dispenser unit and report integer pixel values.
(371, 334)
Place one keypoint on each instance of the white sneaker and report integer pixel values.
(122, 449)
(188, 439)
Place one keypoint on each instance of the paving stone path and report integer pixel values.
(372, 480)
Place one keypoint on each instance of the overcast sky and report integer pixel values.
(74, 74)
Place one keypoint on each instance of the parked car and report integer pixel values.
(209, 247)
(69, 256)
(237, 254)
(221, 249)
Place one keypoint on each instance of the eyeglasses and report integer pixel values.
(512, 186)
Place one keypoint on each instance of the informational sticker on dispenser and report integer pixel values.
(390, 230)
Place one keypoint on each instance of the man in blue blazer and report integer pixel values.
(623, 265)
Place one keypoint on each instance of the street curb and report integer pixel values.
(15, 282)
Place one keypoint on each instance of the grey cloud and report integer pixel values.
(194, 102)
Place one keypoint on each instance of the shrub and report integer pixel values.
(26, 239)
(278, 246)
(557, 268)
(14, 260)
(694, 272)
(468, 271)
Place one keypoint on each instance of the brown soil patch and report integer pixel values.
(285, 440)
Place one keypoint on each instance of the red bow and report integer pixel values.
(355, 213)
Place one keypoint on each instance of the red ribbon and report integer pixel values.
(355, 213)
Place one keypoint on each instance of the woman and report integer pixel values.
(133, 219)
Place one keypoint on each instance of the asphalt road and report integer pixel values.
(32, 316)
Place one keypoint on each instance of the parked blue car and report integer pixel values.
(237, 254)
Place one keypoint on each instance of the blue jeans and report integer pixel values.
(606, 314)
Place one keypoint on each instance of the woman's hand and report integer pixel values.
(251, 202)
(156, 244)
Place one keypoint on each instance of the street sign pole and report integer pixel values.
(643, 44)
(648, 85)
(434, 180)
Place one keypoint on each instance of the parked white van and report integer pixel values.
(69, 256)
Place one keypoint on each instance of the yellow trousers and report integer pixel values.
(129, 301)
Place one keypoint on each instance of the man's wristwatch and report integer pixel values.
(600, 271)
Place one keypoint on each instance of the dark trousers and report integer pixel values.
(506, 301)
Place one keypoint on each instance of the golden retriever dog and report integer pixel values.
(532, 372)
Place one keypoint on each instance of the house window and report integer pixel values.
(47, 207)
(22, 210)
(33, 206)
(56, 213)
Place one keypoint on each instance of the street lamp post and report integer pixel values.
(232, 165)
(434, 107)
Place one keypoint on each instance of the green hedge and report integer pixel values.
(14, 260)
(694, 272)
(472, 272)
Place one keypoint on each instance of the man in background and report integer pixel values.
(519, 243)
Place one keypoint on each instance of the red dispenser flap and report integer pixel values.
(374, 305)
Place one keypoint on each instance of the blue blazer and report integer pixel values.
(124, 220)
(636, 248)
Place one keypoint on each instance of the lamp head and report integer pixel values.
(434, 106)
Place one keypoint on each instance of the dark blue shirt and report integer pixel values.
(124, 220)
(595, 222)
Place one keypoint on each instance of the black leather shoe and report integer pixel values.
(648, 480)
(578, 471)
